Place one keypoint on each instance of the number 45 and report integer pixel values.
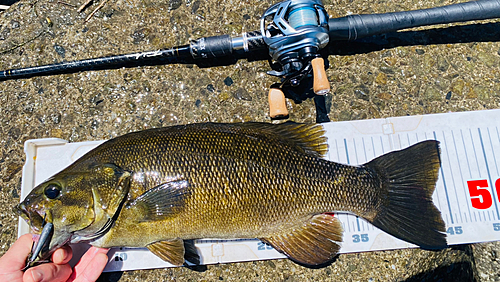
(480, 194)
(457, 230)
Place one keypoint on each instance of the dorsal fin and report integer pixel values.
(307, 138)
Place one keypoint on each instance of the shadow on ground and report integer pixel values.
(458, 271)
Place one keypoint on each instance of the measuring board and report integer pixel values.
(467, 191)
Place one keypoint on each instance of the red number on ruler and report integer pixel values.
(497, 186)
(479, 193)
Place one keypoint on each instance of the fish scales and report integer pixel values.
(158, 187)
(239, 186)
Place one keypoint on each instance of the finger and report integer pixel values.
(62, 255)
(48, 272)
(88, 257)
(90, 265)
(16, 256)
(93, 270)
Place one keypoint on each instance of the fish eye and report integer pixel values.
(52, 191)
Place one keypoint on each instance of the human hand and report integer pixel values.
(87, 269)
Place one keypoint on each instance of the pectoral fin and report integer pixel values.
(162, 201)
(315, 242)
(169, 251)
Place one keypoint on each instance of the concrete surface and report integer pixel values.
(415, 72)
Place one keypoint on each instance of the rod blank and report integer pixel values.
(353, 27)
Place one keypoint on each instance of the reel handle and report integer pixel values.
(277, 104)
(321, 85)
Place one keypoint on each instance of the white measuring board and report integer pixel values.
(467, 192)
(467, 189)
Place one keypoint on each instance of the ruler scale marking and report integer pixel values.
(355, 151)
(452, 179)
(346, 152)
(466, 156)
(444, 183)
(337, 149)
(347, 222)
(496, 164)
(364, 148)
(493, 151)
(373, 145)
(475, 153)
(461, 173)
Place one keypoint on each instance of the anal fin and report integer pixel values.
(316, 242)
(170, 251)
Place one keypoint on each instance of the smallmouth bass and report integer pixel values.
(160, 188)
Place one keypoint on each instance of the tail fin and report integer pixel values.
(410, 177)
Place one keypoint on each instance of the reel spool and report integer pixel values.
(295, 31)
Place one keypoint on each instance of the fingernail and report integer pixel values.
(99, 250)
(37, 275)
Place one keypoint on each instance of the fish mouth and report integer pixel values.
(33, 218)
(44, 230)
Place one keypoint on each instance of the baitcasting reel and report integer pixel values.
(297, 31)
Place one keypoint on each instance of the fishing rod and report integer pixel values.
(292, 36)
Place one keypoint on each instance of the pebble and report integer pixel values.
(482, 93)
(211, 88)
(487, 58)
(228, 81)
(432, 94)
(362, 92)
(420, 51)
(14, 24)
(60, 50)
(384, 96)
(381, 78)
(10, 172)
(442, 64)
(242, 94)
(174, 4)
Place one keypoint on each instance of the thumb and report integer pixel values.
(16, 256)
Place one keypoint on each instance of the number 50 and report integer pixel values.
(480, 194)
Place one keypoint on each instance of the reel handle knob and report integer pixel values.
(277, 103)
(321, 85)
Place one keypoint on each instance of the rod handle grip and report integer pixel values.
(321, 85)
(277, 103)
